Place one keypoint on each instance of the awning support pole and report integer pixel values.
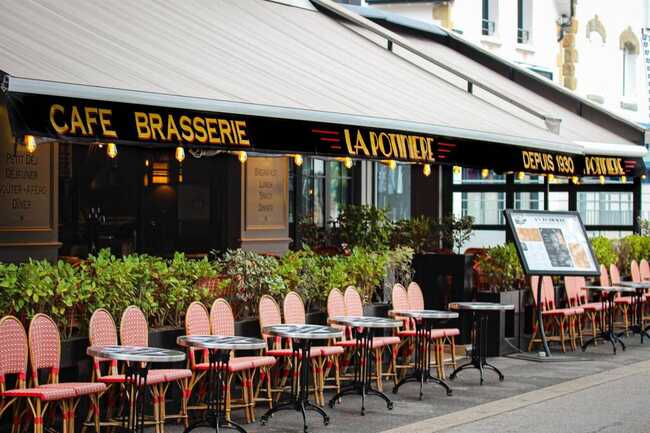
(547, 191)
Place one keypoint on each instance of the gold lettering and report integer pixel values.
(91, 119)
(76, 122)
(106, 123)
(59, 128)
(382, 145)
(429, 149)
(240, 126)
(225, 131)
(199, 130)
(361, 145)
(156, 122)
(212, 126)
(348, 142)
(403, 151)
(186, 127)
(172, 129)
(374, 143)
(142, 125)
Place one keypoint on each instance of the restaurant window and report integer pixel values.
(605, 208)
(486, 207)
(490, 15)
(393, 190)
(325, 188)
(524, 21)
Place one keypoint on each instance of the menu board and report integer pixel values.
(552, 243)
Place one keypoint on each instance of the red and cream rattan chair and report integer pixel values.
(354, 307)
(13, 362)
(134, 331)
(270, 314)
(294, 313)
(416, 301)
(559, 323)
(406, 333)
(577, 297)
(222, 322)
(103, 332)
(622, 303)
(45, 354)
(336, 307)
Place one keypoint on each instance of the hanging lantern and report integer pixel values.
(392, 165)
(457, 169)
(243, 156)
(643, 177)
(623, 179)
(601, 180)
(347, 162)
(426, 170)
(485, 173)
(521, 175)
(111, 150)
(551, 178)
(297, 159)
(180, 154)
(575, 180)
(146, 163)
(30, 143)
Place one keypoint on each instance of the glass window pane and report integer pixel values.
(485, 207)
(394, 190)
(339, 182)
(605, 208)
(529, 200)
(475, 176)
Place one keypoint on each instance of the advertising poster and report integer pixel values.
(552, 243)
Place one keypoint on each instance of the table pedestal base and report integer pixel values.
(134, 393)
(299, 398)
(607, 335)
(479, 349)
(422, 368)
(361, 384)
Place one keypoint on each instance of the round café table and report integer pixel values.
(480, 312)
(608, 297)
(301, 337)
(138, 360)
(219, 349)
(424, 320)
(639, 302)
(362, 331)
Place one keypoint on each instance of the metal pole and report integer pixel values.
(540, 322)
(547, 191)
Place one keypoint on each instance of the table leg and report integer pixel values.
(479, 349)
(608, 334)
(134, 393)
(362, 383)
(216, 378)
(422, 367)
(639, 305)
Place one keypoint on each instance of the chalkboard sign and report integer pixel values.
(552, 243)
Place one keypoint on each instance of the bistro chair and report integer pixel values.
(622, 303)
(577, 297)
(134, 331)
(45, 354)
(269, 312)
(406, 333)
(103, 332)
(222, 322)
(336, 307)
(416, 300)
(328, 358)
(13, 362)
(354, 307)
(559, 323)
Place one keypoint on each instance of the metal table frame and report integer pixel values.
(424, 320)
(639, 303)
(138, 360)
(479, 312)
(608, 301)
(362, 331)
(219, 349)
(298, 399)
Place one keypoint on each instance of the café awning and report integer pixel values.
(603, 159)
(264, 76)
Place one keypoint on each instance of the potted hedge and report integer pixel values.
(503, 282)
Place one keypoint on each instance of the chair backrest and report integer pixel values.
(416, 299)
(644, 269)
(102, 332)
(270, 314)
(336, 306)
(134, 330)
(548, 292)
(614, 274)
(14, 351)
(635, 271)
(400, 298)
(604, 276)
(294, 309)
(197, 319)
(44, 347)
(353, 302)
(222, 319)
(575, 290)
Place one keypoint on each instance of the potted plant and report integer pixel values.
(503, 281)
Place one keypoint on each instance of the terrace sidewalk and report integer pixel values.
(607, 393)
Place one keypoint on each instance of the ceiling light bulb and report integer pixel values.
(485, 173)
(457, 169)
(521, 175)
(551, 177)
(624, 179)
(180, 154)
(347, 162)
(601, 180)
(243, 156)
(111, 150)
(426, 170)
(297, 159)
(30, 143)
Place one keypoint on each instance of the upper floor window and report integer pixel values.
(629, 44)
(524, 21)
(490, 16)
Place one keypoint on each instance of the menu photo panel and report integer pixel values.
(552, 243)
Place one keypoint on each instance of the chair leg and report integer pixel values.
(452, 348)
(243, 378)
(228, 396)
(378, 368)
(315, 380)
(337, 374)
(561, 326)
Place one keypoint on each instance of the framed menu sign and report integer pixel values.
(552, 243)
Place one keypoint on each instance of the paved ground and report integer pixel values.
(603, 393)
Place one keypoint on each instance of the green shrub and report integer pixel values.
(604, 250)
(632, 247)
(501, 268)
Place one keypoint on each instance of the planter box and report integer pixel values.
(505, 328)
(249, 327)
(444, 278)
(317, 317)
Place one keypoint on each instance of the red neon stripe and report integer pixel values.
(444, 150)
(322, 131)
(442, 157)
(446, 144)
(335, 140)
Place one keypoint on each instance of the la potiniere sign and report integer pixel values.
(73, 119)
(552, 243)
